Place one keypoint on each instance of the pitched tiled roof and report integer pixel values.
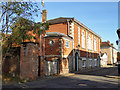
(107, 44)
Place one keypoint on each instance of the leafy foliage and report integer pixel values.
(21, 29)
(11, 11)
(16, 23)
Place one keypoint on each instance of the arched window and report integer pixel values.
(94, 44)
(83, 39)
(89, 42)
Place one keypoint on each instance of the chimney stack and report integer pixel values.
(108, 42)
(44, 15)
(112, 44)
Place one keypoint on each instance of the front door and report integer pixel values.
(76, 61)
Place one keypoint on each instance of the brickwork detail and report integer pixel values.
(29, 61)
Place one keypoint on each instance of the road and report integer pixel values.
(103, 78)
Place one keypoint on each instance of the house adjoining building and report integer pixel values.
(110, 51)
(103, 57)
(67, 46)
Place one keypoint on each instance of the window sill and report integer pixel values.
(83, 66)
(66, 47)
(83, 47)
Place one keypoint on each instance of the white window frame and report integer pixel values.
(66, 43)
(95, 48)
(89, 42)
(84, 60)
(95, 62)
(90, 62)
(79, 35)
(83, 39)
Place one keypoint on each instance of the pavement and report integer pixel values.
(106, 77)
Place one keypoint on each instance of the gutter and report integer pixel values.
(40, 45)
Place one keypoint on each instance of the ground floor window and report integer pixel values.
(95, 62)
(84, 63)
(90, 62)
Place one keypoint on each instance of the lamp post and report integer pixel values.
(118, 43)
(41, 28)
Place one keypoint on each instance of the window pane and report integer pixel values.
(67, 44)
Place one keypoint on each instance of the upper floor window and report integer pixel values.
(89, 42)
(79, 35)
(67, 44)
(83, 39)
(95, 44)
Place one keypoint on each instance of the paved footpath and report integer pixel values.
(103, 78)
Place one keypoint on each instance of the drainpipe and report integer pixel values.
(44, 47)
(40, 46)
(40, 34)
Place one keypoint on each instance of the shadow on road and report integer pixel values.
(79, 80)
(68, 82)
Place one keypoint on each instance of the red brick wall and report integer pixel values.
(52, 49)
(83, 53)
(64, 67)
(75, 36)
(61, 28)
(29, 61)
(67, 51)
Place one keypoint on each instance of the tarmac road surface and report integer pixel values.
(103, 78)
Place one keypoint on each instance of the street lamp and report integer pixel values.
(118, 43)
(41, 28)
(118, 32)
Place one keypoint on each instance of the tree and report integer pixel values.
(16, 23)
(20, 30)
(11, 11)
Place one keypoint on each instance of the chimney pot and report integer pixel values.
(112, 44)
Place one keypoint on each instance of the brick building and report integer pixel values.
(67, 46)
(79, 49)
(110, 50)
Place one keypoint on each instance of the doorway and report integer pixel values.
(76, 61)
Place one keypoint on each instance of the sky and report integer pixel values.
(101, 17)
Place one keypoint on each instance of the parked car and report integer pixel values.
(117, 63)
